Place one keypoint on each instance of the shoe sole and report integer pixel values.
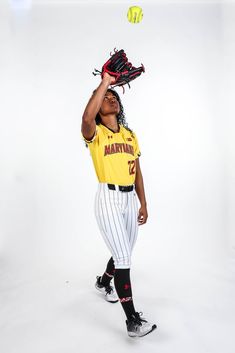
(101, 291)
(133, 335)
(109, 301)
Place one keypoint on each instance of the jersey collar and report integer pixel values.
(114, 132)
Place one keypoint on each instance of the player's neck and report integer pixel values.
(111, 124)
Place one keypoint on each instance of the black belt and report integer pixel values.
(121, 187)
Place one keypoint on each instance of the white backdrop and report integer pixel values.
(181, 110)
(47, 176)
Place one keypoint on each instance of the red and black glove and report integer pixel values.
(119, 67)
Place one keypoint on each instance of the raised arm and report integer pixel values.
(93, 106)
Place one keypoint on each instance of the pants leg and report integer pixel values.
(109, 207)
(131, 218)
(116, 215)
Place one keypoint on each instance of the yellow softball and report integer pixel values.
(135, 14)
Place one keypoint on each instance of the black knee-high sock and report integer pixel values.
(122, 284)
(109, 273)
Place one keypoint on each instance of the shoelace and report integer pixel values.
(109, 289)
(137, 319)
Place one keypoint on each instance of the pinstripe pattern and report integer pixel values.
(130, 218)
(116, 214)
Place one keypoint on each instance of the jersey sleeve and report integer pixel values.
(137, 152)
(95, 137)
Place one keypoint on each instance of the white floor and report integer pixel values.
(194, 309)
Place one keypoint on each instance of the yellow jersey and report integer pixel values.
(114, 155)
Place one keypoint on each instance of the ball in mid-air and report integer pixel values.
(135, 14)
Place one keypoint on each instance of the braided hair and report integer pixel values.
(121, 119)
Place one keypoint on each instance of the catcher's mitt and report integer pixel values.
(119, 67)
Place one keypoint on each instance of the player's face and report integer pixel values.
(110, 104)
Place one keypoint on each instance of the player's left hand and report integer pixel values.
(143, 215)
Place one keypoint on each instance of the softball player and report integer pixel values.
(115, 153)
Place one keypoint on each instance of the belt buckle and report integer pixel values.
(125, 188)
(111, 187)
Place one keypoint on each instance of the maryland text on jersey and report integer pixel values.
(118, 148)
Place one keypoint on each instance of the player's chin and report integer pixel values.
(115, 107)
(115, 110)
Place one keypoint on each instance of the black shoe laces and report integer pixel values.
(137, 319)
(108, 289)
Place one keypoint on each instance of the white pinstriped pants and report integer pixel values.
(116, 213)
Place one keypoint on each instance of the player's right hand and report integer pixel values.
(109, 78)
(143, 215)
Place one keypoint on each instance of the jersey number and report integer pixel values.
(131, 167)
